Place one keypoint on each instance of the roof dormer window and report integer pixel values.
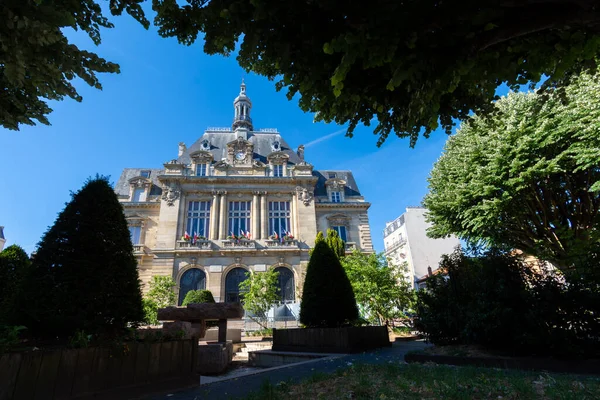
(276, 146)
(145, 174)
(205, 145)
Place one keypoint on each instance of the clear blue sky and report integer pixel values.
(168, 93)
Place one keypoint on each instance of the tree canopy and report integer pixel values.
(38, 63)
(260, 294)
(411, 65)
(527, 177)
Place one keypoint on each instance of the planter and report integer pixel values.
(95, 372)
(352, 339)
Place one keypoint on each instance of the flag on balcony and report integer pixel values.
(195, 238)
(186, 236)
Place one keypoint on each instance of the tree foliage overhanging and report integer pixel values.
(38, 63)
(527, 177)
(411, 65)
(84, 275)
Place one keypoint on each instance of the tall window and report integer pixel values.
(279, 217)
(198, 218)
(139, 194)
(285, 284)
(278, 170)
(336, 197)
(341, 230)
(239, 217)
(135, 232)
(192, 279)
(201, 169)
(232, 284)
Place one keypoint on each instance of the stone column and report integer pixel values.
(214, 217)
(264, 217)
(255, 215)
(223, 216)
(294, 212)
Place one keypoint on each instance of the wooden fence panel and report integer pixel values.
(83, 371)
(142, 363)
(9, 370)
(28, 374)
(44, 388)
(66, 374)
(154, 362)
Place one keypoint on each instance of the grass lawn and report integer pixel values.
(423, 381)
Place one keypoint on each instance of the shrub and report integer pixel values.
(162, 291)
(150, 311)
(335, 243)
(84, 275)
(327, 296)
(14, 265)
(500, 302)
(198, 296)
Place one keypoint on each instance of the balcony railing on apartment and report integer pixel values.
(238, 244)
(140, 249)
(350, 247)
(198, 244)
(395, 246)
(281, 244)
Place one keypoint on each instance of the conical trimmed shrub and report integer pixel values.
(327, 298)
(84, 274)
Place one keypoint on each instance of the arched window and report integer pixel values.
(286, 284)
(232, 284)
(192, 279)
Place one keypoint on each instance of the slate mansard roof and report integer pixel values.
(351, 188)
(122, 185)
(262, 142)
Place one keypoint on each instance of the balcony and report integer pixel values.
(285, 244)
(236, 244)
(395, 246)
(140, 249)
(197, 245)
(350, 247)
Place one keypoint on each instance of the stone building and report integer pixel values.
(239, 199)
(405, 240)
(2, 239)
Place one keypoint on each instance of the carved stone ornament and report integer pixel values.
(278, 157)
(258, 164)
(304, 195)
(170, 194)
(339, 220)
(221, 164)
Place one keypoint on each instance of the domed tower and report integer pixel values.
(242, 106)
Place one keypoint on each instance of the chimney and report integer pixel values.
(300, 152)
(429, 271)
(182, 149)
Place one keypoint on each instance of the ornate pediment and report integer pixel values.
(240, 151)
(335, 183)
(201, 157)
(140, 181)
(278, 157)
(338, 220)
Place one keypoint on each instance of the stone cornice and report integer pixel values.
(242, 179)
(360, 205)
(140, 204)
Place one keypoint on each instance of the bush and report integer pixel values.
(150, 311)
(198, 296)
(500, 302)
(327, 298)
(162, 291)
(84, 275)
(14, 265)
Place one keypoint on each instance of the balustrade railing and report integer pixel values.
(280, 243)
(239, 244)
(198, 244)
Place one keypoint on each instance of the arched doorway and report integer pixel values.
(192, 279)
(232, 284)
(286, 284)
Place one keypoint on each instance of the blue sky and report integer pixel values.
(168, 93)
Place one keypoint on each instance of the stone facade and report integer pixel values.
(2, 239)
(237, 200)
(405, 240)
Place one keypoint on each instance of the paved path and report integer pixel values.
(240, 387)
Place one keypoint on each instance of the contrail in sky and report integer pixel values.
(326, 137)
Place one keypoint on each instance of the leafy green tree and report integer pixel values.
(526, 177)
(412, 65)
(198, 296)
(327, 296)
(14, 265)
(84, 275)
(150, 311)
(37, 61)
(382, 291)
(162, 291)
(335, 242)
(260, 294)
